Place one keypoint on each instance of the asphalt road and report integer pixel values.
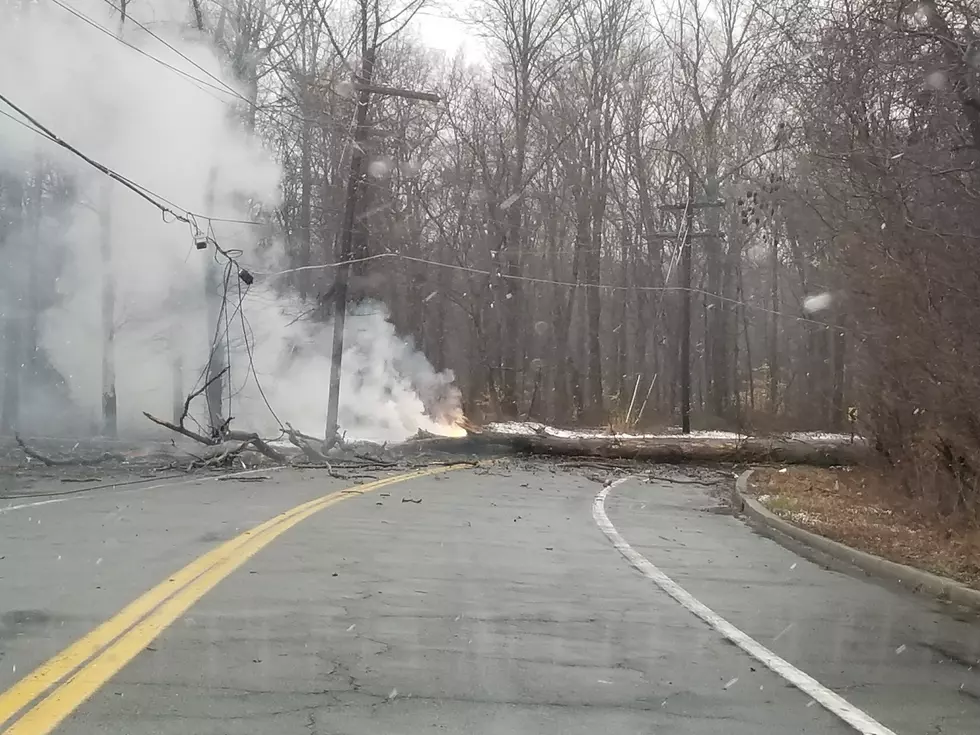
(497, 604)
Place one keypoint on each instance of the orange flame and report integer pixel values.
(458, 427)
(450, 430)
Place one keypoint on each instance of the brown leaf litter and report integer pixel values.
(859, 507)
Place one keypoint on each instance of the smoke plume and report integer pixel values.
(162, 119)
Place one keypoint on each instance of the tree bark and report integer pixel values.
(774, 322)
(305, 197)
(666, 449)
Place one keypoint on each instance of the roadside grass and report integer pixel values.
(857, 507)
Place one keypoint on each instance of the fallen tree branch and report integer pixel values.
(607, 466)
(64, 462)
(302, 435)
(680, 480)
(181, 430)
(259, 443)
(199, 391)
(254, 439)
(368, 459)
(447, 463)
(302, 441)
(230, 452)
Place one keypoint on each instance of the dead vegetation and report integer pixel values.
(860, 508)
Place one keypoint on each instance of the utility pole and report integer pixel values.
(109, 408)
(688, 207)
(13, 321)
(364, 90)
(214, 297)
(108, 317)
(686, 310)
(34, 297)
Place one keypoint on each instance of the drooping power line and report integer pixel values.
(165, 206)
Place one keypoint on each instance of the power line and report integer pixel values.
(551, 282)
(225, 88)
(102, 29)
(190, 61)
(165, 206)
(139, 190)
(27, 126)
(189, 217)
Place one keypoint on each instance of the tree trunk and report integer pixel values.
(685, 357)
(12, 346)
(666, 449)
(774, 322)
(305, 196)
(840, 346)
(108, 317)
(715, 338)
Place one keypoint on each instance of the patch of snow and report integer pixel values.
(530, 428)
(819, 436)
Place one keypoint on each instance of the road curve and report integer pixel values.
(486, 601)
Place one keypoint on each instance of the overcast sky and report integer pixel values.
(434, 27)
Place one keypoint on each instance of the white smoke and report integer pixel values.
(180, 139)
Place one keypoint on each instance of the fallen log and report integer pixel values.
(671, 450)
(67, 461)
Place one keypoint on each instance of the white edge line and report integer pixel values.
(856, 718)
(97, 492)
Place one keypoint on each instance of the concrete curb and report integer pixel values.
(917, 580)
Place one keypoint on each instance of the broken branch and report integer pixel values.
(301, 440)
(57, 462)
(259, 443)
(195, 394)
(181, 430)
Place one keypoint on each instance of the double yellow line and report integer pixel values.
(80, 670)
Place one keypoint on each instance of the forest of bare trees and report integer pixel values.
(539, 210)
(528, 231)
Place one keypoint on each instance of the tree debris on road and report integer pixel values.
(672, 450)
(66, 461)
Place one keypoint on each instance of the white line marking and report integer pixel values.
(856, 718)
(142, 488)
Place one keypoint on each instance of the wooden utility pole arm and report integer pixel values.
(395, 92)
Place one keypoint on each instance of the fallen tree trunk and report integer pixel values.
(675, 450)
(66, 461)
